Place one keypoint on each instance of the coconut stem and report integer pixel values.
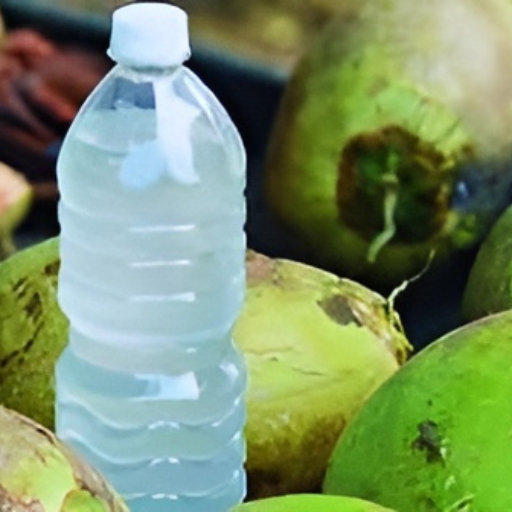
(390, 182)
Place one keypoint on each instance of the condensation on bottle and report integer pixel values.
(150, 388)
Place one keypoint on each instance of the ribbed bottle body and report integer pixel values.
(150, 388)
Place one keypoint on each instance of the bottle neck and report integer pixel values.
(147, 73)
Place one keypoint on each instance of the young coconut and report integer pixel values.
(33, 331)
(310, 503)
(394, 137)
(15, 202)
(436, 436)
(489, 286)
(316, 348)
(39, 473)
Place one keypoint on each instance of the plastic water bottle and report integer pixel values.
(150, 388)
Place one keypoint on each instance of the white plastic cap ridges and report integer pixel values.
(149, 35)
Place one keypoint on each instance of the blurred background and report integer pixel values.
(270, 31)
(53, 53)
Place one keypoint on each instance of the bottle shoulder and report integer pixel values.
(220, 120)
(176, 110)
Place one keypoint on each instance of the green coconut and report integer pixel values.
(310, 503)
(40, 474)
(436, 437)
(33, 331)
(316, 348)
(394, 136)
(15, 202)
(489, 286)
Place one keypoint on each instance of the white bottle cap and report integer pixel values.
(148, 35)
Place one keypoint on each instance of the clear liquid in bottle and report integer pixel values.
(150, 388)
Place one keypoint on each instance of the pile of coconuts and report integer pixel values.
(392, 148)
(316, 348)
